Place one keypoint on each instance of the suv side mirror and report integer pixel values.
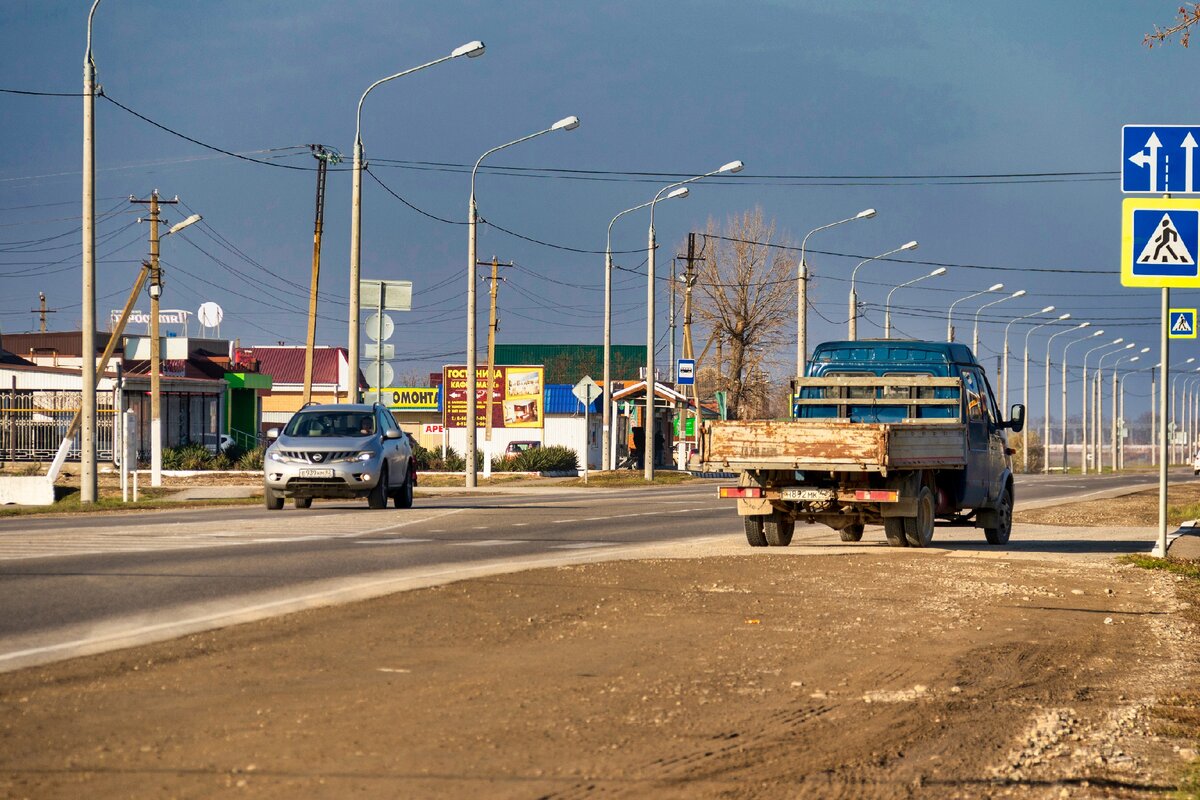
(1016, 418)
(273, 434)
(392, 433)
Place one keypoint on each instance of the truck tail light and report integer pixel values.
(740, 491)
(876, 496)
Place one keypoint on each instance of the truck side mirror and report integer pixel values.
(1016, 418)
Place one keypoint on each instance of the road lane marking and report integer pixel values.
(581, 545)
(488, 543)
(391, 541)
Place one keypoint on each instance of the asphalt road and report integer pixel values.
(87, 583)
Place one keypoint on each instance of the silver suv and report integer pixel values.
(339, 451)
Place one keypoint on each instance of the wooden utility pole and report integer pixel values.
(42, 311)
(325, 156)
(690, 279)
(493, 324)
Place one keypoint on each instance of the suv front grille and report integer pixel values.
(327, 457)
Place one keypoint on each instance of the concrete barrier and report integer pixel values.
(26, 490)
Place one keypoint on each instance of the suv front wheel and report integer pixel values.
(379, 495)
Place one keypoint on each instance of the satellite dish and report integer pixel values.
(210, 315)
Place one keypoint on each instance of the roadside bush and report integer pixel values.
(1016, 440)
(555, 458)
(252, 459)
(188, 456)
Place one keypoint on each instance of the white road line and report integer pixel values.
(391, 541)
(487, 543)
(581, 545)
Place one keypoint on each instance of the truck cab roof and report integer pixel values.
(890, 354)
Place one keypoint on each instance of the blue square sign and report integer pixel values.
(1160, 243)
(1159, 158)
(686, 372)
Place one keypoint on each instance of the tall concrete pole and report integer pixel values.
(155, 351)
(87, 374)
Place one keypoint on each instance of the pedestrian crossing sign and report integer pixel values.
(1181, 323)
(1160, 243)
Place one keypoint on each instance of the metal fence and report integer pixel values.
(33, 422)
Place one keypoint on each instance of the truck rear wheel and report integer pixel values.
(853, 533)
(919, 529)
(1003, 529)
(893, 530)
(754, 531)
(778, 529)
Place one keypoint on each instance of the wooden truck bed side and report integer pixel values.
(833, 445)
(837, 444)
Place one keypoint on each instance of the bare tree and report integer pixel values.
(1187, 17)
(745, 300)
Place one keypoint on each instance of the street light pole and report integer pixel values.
(1025, 386)
(1098, 405)
(1067, 349)
(853, 322)
(1116, 406)
(87, 341)
(1173, 450)
(802, 290)
(470, 50)
(1004, 361)
(606, 426)
(1046, 425)
(564, 124)
(1088, 438)
(648, 424)
(975, 334)
(995, 287)
(887, 305)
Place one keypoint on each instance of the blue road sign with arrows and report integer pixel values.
(1159, 159)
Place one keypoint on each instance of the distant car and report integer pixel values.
(339, 451)
(1196, 463)
(515, 449)
(217, 442)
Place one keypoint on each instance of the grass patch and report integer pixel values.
(1188, 569)
(67, 502)
(630, 478)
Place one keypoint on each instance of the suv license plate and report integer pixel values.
(316, 473)
(807, 494)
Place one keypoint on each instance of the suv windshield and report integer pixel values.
(330, 423)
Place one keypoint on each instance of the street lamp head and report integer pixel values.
(682, 191)
(1098, 333)
(1068, 316)
(470, 50)
(566, 124)
(178, 226)
(909, 245)
(938, 271)
(732, 166)
(1190, 360)
(1083, 325)
(1018, 293)
(1134, 344)
(1144, 350)
(866, 213)
(1135, 358)
(1046, 310)
(993, 288)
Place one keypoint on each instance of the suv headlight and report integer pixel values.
(274, 456)
(365, 455)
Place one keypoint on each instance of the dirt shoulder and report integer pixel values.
(865, 672)
(1137, 509)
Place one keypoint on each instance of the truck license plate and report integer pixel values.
(807, 494)
(316, 473)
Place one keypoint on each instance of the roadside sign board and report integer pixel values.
(517, 396)
(685, 372)
(1160, 243)
(1158, 159)
(374, 350)
(586, 391)
(385, 295)
(1181, 323)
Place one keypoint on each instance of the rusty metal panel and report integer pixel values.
(826, 441)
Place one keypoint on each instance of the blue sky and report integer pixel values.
(793, 88)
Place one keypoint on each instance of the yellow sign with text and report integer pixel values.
(412, 398)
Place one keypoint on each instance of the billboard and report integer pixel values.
(518, 393)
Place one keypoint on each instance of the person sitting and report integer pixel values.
(366, 426)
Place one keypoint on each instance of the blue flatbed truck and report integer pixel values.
(892, 432)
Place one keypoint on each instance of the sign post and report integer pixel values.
(586, 392)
